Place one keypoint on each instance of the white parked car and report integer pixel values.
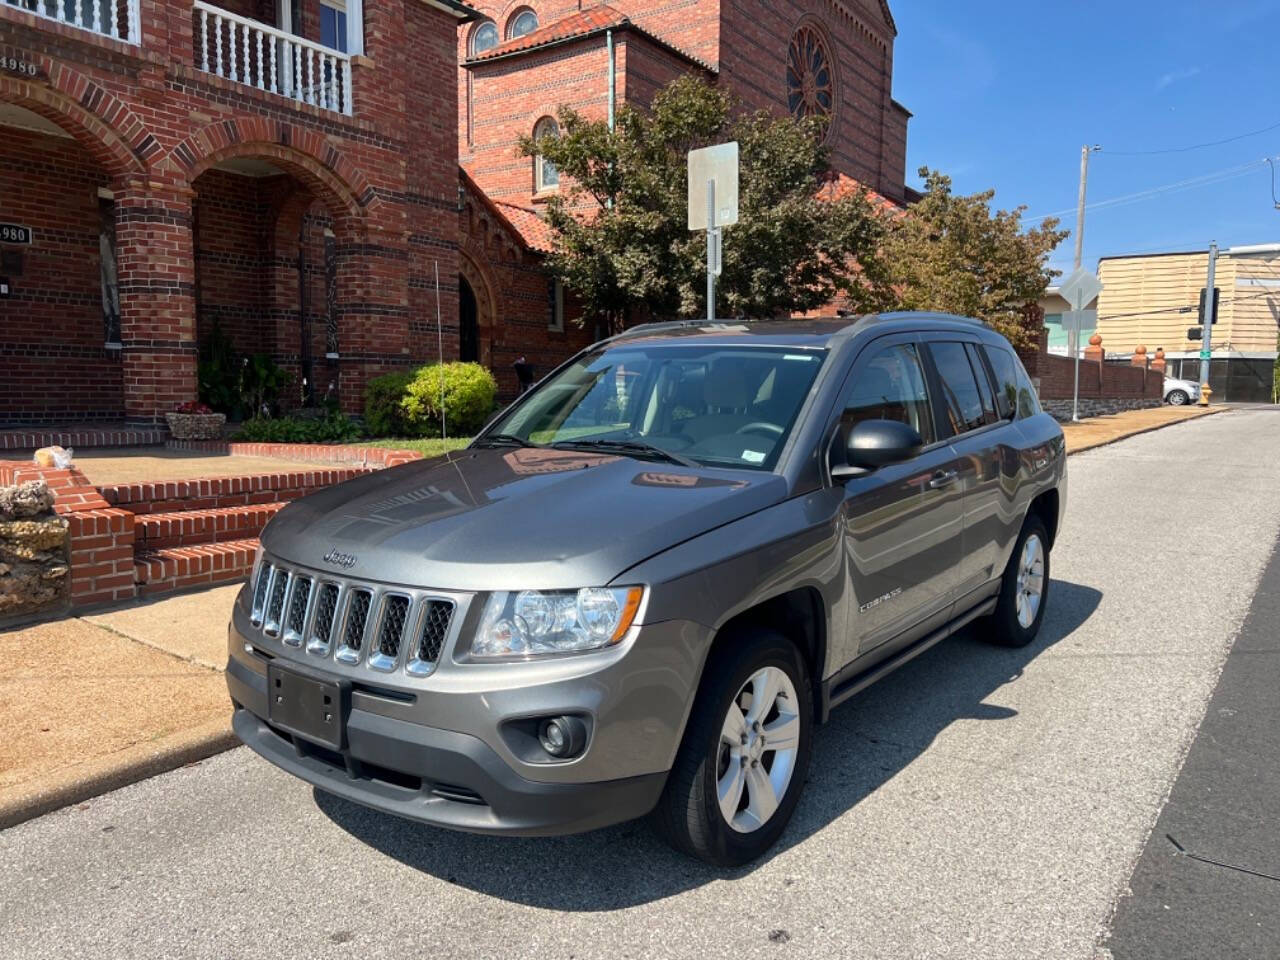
(1180, 392)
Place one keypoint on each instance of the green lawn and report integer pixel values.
(428, 447)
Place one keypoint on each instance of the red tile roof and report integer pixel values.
(533, 230)
(840, 185)
(603, 17)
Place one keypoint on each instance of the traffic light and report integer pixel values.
(1217, 295)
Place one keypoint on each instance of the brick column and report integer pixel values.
(157, 299)
(374, 316)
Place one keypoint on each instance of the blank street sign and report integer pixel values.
(718, 163)
(1080, 288)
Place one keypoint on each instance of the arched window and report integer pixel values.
(811, 82)
(485, 37)
(545, 174)
(522, 22)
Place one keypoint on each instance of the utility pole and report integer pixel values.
(1079, 258)
(1206, 346)
(1084, 183)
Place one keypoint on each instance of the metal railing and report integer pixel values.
(111, 18)
(247, 51)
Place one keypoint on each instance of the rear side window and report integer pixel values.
(961, 399)
(984, 382)
(1014, 392)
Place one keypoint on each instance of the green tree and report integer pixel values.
(950, 253)
(621, 223)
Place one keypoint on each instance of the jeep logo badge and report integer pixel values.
(339, 559)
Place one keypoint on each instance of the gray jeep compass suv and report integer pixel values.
(643, 585)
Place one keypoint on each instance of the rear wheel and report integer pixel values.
(1178, 398)
(744, 757)
(1024, 591)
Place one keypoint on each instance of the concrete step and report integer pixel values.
(180, 568)
(216, 493)
(185, 528)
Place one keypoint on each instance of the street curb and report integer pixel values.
(1213, 411)
(104, 774)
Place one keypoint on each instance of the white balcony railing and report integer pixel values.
(247, 51)
(111, 18)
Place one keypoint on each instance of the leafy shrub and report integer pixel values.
(383, 414)
(469, 394)
(333, 428)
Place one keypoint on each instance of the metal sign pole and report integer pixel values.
(711, 251)
(1076, 319)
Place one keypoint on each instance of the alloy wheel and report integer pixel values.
(1030, 581)
(759, 742)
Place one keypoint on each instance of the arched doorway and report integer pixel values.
(468, 323)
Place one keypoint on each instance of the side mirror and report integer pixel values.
(872, 444)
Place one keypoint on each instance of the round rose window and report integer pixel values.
(810, 79)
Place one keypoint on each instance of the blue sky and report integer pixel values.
(1005, 93)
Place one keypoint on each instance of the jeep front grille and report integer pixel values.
(275, 600)
(386, 652)
(297, 611)
(436, 616)
(320, 640)
(357, 624)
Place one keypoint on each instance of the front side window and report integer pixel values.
(715, 405)
(484, 38)
(961, 399)
(545, 174)
(524, 22)
(891, 386)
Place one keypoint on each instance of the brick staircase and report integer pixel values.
(193, 533)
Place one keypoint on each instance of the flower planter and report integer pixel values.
(196, 426)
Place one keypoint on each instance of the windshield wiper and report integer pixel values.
(633, 447)
(503, 440)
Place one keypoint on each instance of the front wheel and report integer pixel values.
(1024, 592)
(1178, 398)
(744, 757)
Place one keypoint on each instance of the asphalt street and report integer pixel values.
(980, 802)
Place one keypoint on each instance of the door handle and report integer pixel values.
(943, 478)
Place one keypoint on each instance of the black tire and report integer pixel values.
(1006, 629)
(1178, 398)
(688, 814)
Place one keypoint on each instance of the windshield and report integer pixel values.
(708, 404)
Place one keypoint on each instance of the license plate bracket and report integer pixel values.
(308, 706)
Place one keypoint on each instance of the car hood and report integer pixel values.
(492, 519)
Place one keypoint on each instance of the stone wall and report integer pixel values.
(33, 553)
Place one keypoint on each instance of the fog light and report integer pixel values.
(562, 737)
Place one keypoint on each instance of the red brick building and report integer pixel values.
(287, 172)
(522, 59)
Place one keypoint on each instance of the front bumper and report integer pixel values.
(439, 749)
(467, 788)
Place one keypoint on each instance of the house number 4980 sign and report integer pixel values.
(14, 233)
(24, 68)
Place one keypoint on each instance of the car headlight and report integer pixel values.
(534, 623)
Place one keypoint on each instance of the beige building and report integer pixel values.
(1152, 300)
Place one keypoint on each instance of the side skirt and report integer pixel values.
(843, 685)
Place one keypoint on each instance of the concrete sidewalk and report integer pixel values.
(91, 704)
(97, 702)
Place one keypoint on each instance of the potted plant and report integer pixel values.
(195, 421)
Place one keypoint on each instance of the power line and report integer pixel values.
(1194, 146)
(1203, 180)
(1175, 311)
